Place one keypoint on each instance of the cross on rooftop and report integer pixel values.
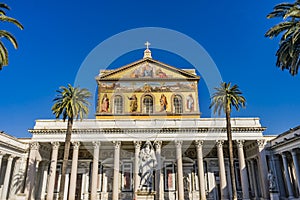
(147, 44)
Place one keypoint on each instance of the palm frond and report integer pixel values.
(9, 37)
(226, 96)
(289, 47)
(3, 55)
(292, 12)
(71, 102)
(5, 18)
(5, 6)
(279, 28)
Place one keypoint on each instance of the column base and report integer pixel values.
(274, 195)
(145, 195)
(20, 196)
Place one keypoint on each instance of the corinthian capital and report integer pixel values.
(220, 143)
(198, 143)
(117, 144)
(240, 143)
(96, 144)
(35, 146)
(261, 143)
(76, 145)
(55, 145)
(178, 143)
(137, 144)
(157, 144)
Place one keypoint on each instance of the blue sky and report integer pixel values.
(58, 36)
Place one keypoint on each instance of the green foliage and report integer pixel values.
(289, 29)
(6, 34)
(226, 97)
(71, 102)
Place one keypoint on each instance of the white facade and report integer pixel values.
(180, 145)
(146, 101)
(284, 160)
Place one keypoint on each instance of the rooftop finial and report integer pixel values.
(147, 52)
(147, 44)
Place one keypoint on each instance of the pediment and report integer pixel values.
(146, 69)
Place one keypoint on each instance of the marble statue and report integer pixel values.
(271, 179)
(147, 163)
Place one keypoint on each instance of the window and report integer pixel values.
(169, 176)
(148, 104)
(57, 177)
(127, 176)
(118, 104)
(177, 102)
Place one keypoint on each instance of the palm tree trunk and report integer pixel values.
(66, 158)
(230, 149)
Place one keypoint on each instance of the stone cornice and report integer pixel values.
(146, 130)
(180, 71)
(14, 148)
(283, 143)
(149, 79)
(165, 114)
(291, 130)
(2, 133)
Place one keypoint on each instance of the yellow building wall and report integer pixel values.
(147, 78)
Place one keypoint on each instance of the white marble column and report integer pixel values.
(199, 146)
(38, 179)
(22, 174)
(85, 183)
(52, 170)
(178, 145)
(295, 161)
(7, 177)
(287, 176)
(1, 156)
(253, 175)
(158, 174)
(15, 182)
(137, 148)
(43, 180)
(99, 181)
(31, 170)
(222, 173)
(116, 182)
(72, 188)
(243, 169)
(104, 180)
(263, 169)
(228, 179)
(250, 179)
(94, 185)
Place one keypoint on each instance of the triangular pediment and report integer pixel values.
(147, 68)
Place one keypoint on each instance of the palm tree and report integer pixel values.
(289, 45)
(7, 35)
(223, 100)
(71, 103)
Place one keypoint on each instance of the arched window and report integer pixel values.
(177, 102)
(148, 104)
(118, 104)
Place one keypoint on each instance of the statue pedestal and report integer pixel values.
(20, 196)
(274, 195)
(145, 195)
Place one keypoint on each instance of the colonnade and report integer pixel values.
(12, 174)
(225, 190)
(289, 173)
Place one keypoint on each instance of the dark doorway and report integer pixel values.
(78, 187)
